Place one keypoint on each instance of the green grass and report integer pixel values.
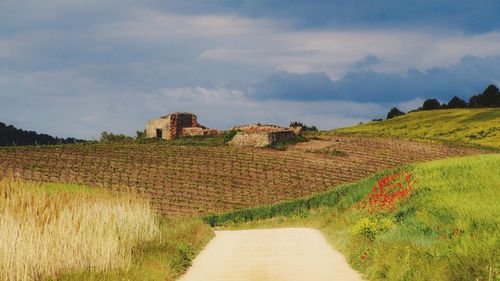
(473, 126)
(283, 145)
(456, 193)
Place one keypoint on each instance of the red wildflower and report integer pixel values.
(388, 191)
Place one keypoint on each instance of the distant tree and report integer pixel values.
(394, 112)
(110, 137)
(305, 128)
(456, 102)
(296, 124)
(310, 128)
(431, 104)
(490, 97)
(10, 136)
(140, 135)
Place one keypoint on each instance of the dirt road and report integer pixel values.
(283, 254)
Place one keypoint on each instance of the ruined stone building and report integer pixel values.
(176, 125)
(258, 135)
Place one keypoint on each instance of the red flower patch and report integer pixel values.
(388, 193)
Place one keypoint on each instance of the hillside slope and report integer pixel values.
(476, 126)
(446, 228)
(194, 180)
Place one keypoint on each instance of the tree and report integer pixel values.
(296, 124)
(140, 135)
(489, 98)
(431, 104)
(394, 112)
(457, 102)
(10, 135)
(110, 137)
(305, 128)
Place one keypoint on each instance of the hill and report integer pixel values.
(473, 126)
(194, 180)
(443, 224)
(12, 136)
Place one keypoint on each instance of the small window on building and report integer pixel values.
(159, 133)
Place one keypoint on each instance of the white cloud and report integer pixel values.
(225, 108)
(256, 41)
(80, 67)
(336, 52)
(410, 105)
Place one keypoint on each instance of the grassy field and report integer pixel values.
(70, 232)
(445, 229)
(475, 126)
(164, 259)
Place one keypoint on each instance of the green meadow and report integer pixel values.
(473, 126)
(446, 230)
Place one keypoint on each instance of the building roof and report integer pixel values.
(177, 113)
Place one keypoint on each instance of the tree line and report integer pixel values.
(490, 97)
(12, 136)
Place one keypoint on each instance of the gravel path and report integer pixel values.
(283, 254)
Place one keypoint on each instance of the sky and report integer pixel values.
(77, 68)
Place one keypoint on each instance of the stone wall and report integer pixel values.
(260, 139)
(275, 137)
(250, 139)
(171, 125)
(199, 131)
(180, 121)
(258, 128)
(159, 123)
(192, 131)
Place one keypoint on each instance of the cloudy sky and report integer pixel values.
(79, 67)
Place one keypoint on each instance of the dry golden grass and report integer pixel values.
(45, 233)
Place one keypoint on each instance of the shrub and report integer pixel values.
(110, 137)
(305, 128)
(139, 135)
(229, 135)
(371, 227)
(394, 112)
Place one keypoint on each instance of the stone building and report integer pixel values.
(258, 135)
(175, 125)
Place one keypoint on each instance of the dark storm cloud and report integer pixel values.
(467, 15)
(464, 79)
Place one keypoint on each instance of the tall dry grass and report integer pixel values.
(44, 233)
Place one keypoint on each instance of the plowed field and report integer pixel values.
(191, 180)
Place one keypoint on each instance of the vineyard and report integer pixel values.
(194, 180)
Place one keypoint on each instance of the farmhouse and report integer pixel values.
(258, 135)
(176, 125)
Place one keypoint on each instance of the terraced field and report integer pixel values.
(192, 180)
